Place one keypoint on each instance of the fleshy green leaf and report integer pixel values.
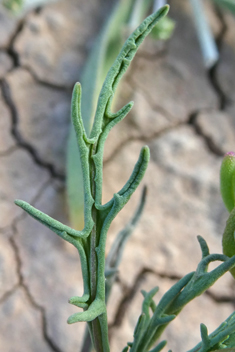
(227, 180)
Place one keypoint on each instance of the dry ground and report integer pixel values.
(186, 115)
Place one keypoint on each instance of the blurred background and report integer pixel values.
(183, 86)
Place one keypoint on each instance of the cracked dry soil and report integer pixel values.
(184, 113)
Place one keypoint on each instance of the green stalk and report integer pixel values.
(90, 242)
(151, 326)
(106, 48)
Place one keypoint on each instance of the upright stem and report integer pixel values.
(98, 330)
(93, 260)
(97, 335)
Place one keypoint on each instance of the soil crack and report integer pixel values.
(8, 293)
(212, 147)
(21, 281)
(34, 304)
(7, 96)
(44, 83)
(157, 108)
(223, 99)
(10, 48)
(142, 138)
(130, 292)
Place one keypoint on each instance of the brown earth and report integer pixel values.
(185, 114)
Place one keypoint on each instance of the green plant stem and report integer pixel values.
(97, 335)
(97, 328)
(93, 261)
(91, 241)
(150, 327)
